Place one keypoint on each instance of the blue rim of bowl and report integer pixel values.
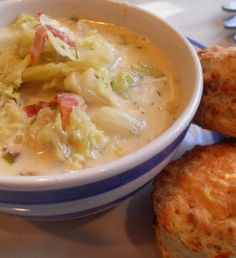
(196, 43)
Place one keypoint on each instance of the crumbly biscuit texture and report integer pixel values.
(195, 200)
(217, 110)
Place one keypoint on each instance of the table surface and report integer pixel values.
(124, 231)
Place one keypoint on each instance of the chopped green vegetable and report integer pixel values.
(53, 106)
(74, 18)
(129, 78)
(124, 81)
(26, 19)
(146, 69)
(9, 157)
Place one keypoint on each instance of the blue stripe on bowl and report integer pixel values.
(80, 214)
(88, 190)
(217, 136)
(196, 43)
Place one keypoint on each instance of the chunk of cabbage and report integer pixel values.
(45, 72)
(146, 69)
(83, 135)
(7, 93)
(45, 20)
(52, 137)
(58, 44)
(25, 30)
(23, 44)
(13, 121)
(7, 39)
(12, 68)
(97, 51)
(63, 48)
(117, 122)
(129, 78)
(26, 19)
(93, 86)
(75, 144)
(123, 81)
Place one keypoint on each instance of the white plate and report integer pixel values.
(125, 231)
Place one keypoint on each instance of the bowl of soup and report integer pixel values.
(95, 99)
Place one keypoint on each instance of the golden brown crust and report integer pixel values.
(217, 110)
(195, 200)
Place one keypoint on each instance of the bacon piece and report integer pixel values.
(61, 35)
(66, 102)
(40, 39)
(38, 44)
(32, 110)
(3, 149)
(39, 13)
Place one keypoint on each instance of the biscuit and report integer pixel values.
(194, 200)
(217, 110)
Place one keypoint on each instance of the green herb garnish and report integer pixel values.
(74, 18)
(9, 157)
(53, 106)
(76, 53)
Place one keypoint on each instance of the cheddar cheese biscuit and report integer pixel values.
(217, 110)
(195, 204)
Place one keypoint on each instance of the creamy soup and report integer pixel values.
(77, 93)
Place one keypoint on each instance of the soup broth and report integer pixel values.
(78, 93)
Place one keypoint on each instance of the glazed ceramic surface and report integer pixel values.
(95, 189)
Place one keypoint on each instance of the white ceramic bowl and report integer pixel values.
(92, 190)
